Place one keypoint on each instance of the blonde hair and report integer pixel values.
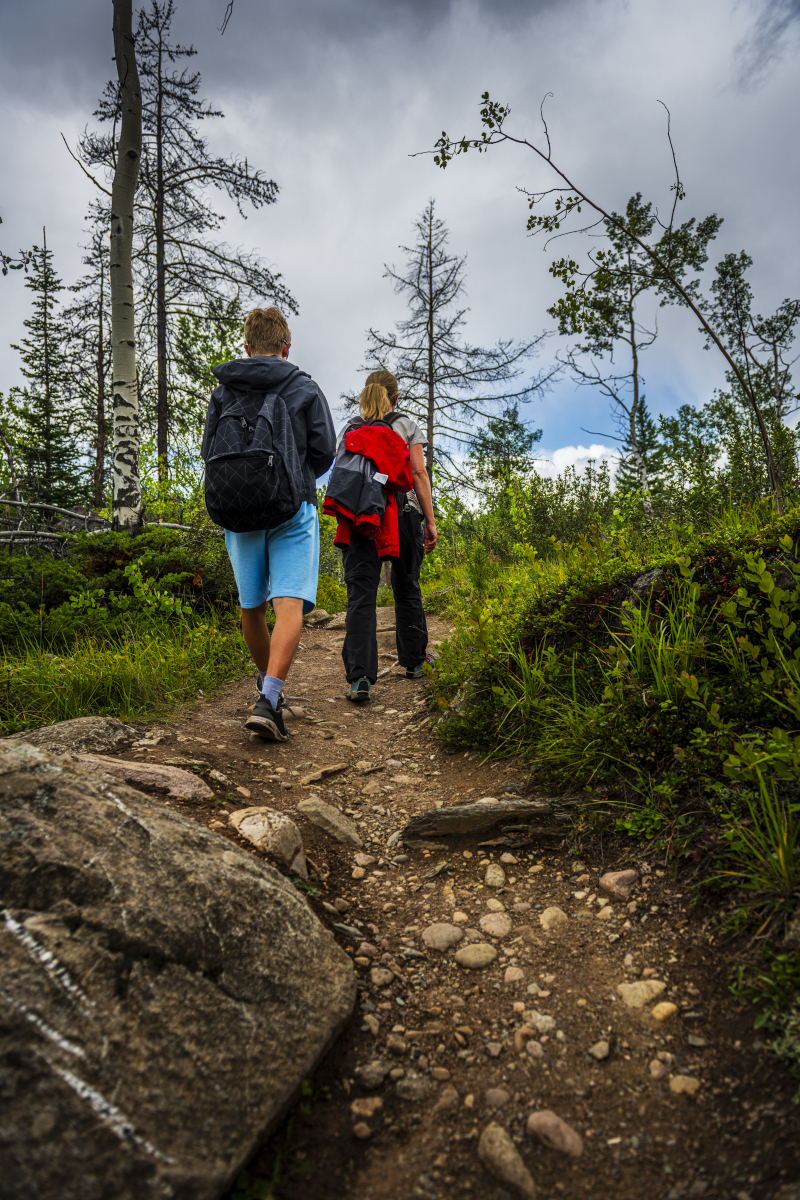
(266, 331)
(374, 402)
(386, 380)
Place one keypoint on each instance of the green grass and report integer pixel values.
(148, 670)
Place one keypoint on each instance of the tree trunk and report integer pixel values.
(641, 465)
(100, 366)
(431, 395)
(162, 421)
(127, 504)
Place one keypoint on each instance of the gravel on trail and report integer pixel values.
(525, 1020)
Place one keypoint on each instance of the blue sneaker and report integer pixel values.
(419, 672)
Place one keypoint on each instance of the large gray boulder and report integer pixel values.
(83, 735)
(162, 993)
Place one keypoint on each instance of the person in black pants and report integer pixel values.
(362, 566)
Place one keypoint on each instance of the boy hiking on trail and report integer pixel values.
(268, 437)
(380, 491)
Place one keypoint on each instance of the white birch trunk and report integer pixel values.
(127, 505)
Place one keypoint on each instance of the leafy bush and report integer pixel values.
(331, 595)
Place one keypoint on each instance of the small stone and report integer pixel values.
(413, 1087)
(514, 975)
(663, 1010)
(460, 917)
(364, 860)
(521, 906)
(553, 918)
(657, 1069)
(684, 1085)
(606, 914)
(475, 957)
(618, 883)
(372, 1023)
(636, 995)
(494, 1049)
(441, 936)
(440, 1074)
(396, 1073)
(380, 977)
(341, 905)
(496, 924)
(555, 1133)
(367, 950)
(366, 1106)
(535, 1049)
(396, 1044)
(495, 905)
(497, 1097)
(373, 1074)
(362, 1131)
(495, 876)
(500, 1156)
(330, 820)
(448, 1099)
(540, 1021)
(508, 859)
(600, 1050)
(358, 873)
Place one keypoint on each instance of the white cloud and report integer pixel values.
(578, 457)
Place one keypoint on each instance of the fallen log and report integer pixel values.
(479, 816)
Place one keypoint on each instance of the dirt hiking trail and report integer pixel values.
(689, 1105)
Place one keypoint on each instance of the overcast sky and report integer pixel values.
(332, 99)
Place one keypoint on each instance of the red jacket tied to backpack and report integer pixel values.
(371, 466)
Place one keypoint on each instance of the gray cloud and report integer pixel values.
(766, 42)
(332, 99)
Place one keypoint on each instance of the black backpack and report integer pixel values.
(253, 475)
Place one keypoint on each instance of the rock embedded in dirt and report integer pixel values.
(535, 1049)
(274, 834)
(657, 1069)
(514, 975)
(494, 905)
(362, 1131)
(148, 777)
(553, 919)
(477, 816)
(321, 772)
(555, 1133)
(636, 995)
(199, 975)
(380, 977)
(330, 820)
(508, 859)
(618, 883)
(447, 1101)
(83, 735)
(684, 1085)
(413, 1087)
(442, 936)
(600, 1051)
(542, 1022)
(440, 1074)
(497, 1097)
(366, 1106)
(495, 876)
(364, 860)
(496, 925)
(501, 1158)
(372, 1074)
(475, 957)
(663, 1010)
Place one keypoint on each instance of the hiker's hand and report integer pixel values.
(431, 536)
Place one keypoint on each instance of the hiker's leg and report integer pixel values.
(247, 552)
(411, 626)
(256, 635)
(362, 573)
(285, 635)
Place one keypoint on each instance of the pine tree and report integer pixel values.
(503, 447)
(651, 449)
(49, 454)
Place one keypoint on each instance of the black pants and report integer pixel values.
(362, 575)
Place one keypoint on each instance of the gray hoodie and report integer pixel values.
(307, 407)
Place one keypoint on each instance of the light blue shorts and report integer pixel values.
(277, 562)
